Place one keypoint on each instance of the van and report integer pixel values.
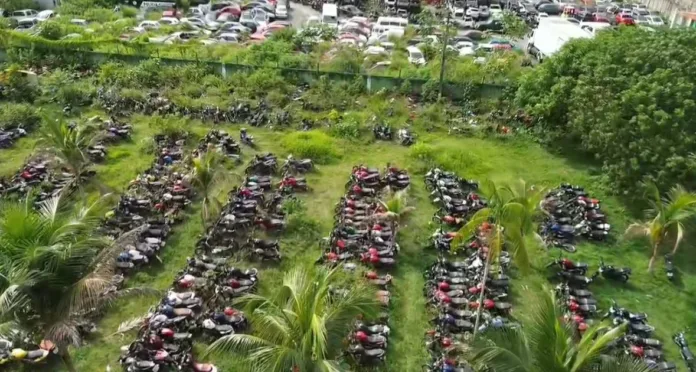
(386, 23)
(329, 15)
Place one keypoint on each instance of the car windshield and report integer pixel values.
(642, 18)
(416, 55)
(25, 25)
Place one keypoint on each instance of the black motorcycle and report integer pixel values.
(613, 273)
(684, 350)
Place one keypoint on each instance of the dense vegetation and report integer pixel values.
(628, 98)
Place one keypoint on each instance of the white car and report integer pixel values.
(390, 3)
(147, 26)
(180, 36)
(468, 22)
(495, 9)
(415, 56)
(472, 12)
(655, 20)
(312, 21)
(484, 12)
(229, 37)
(23, 14)
(168, 21)
(27, 24)
(194, 21)
(45, 15)
(375, 51)
(79, 22)
(281, 11)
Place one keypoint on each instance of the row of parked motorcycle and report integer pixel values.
(199, 302)
(10, 134)
(454, 291)
(46, 181)
(361, 231)
(456, 198)
(154, 103)
(572, 213)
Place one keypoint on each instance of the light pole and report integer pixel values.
(444, 50)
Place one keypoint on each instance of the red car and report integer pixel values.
(600, 17)
(625, 19)
(172, 13)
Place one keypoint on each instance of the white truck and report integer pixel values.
(551, 34)
(329, 15)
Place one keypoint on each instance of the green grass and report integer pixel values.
(502, 160)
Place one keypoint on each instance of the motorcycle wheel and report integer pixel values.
(567, 247)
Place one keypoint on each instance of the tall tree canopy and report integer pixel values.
(628, 98)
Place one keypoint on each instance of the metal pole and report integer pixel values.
(444, 49)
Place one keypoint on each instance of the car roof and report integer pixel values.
(412, 48)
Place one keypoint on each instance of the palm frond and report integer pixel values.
(129, 325)
(504, 350)
(593, 343)
(635, 230)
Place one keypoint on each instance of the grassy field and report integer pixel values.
(669, 305)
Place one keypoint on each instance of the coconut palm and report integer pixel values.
(54, 270)
(546, 343)
(301, 326)
(67, 145)
(512, 209)
(396, 207)
(667, 217)
(208, 174)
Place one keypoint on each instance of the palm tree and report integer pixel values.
(54, 271)
(301, 326)
(547, 344)
(513, 209)
(396, 207)
(68, 145)
(208, 174)
(666, 219)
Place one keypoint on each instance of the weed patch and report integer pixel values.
(313, 144)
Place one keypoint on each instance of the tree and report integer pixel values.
(547, 343)
(667, 216)
(613, 100)
(301, 326)
(514, 26)
(512, 209)
(67, 145)
(396, 207)
(54, 270)
(208, 173)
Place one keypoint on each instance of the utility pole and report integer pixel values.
(444, 51)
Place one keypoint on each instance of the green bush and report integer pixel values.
(15, 114)
(100, 15)
(129, 12)
(626, 97)
(314, 144)
(347, 129)
(50, 30)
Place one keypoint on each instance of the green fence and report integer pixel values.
(372, 83)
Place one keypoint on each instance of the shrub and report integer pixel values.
(15, 114)
(630, 107)
(50, 30)
(294, 206)
(431, 90)
(100, 15)
(129, 12)
(314, 144)
(348, 129)
(304, 226)
(169, 125)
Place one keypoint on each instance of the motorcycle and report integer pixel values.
(685, 351)
(613, 273)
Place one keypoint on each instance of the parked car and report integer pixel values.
(45, 15)
(600, 17)
(230, 38)
(79, 22)
(23, 14)
(26, 24)
(415, 56)
(655, 20)
(281, 11)
(496, 10)
(490, 25)
(235, 10)
(484, 12)
(639, 12)
(168, 21)
(197, 22)
(549, 9)
(147, 26)
(172, 13)
(234, 27)
(179, 36)
(350, 11)
(624, 19)
(472, 12)
(641, 20)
